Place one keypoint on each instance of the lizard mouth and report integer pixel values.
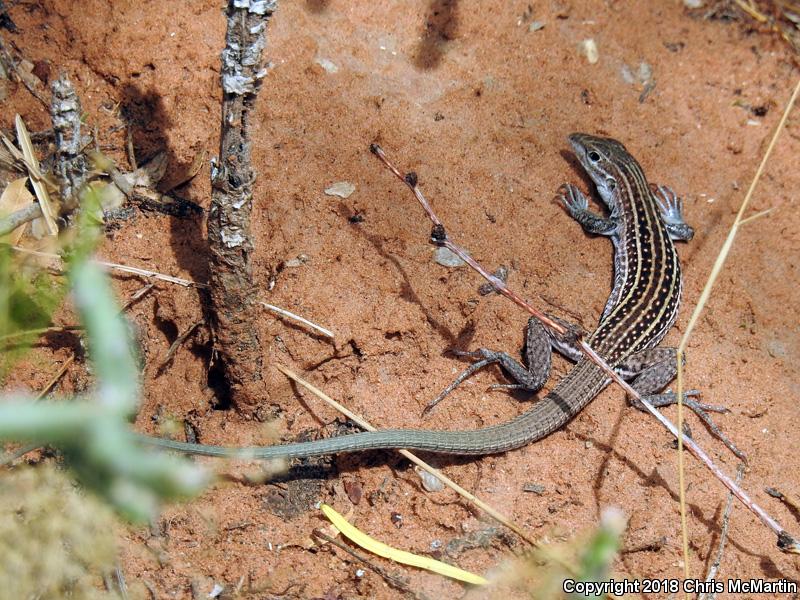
(578, 143)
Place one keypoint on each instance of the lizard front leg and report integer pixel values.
(577, 206)
(671, 207)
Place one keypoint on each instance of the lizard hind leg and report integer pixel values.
(652, 370)
(531, 377)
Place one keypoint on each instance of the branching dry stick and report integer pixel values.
(713, 571)
(71, 167)
(785, 542)
(232, 290)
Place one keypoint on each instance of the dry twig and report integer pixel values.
(231, 284)
(394, 581)
(118, 267)
(290, 315)
(723, 537)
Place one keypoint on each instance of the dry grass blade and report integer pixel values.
(758, 215)
(15, 197)
(54, 379)
(752, 10)
(413, 458)
(7, 160)
(289, 315)
(790, 545)
(779, 16)
(37, 179)
(726, 247)
(20, 163)
(118, 267)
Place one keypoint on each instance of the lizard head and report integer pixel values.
(601, 158)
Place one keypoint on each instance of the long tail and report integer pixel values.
(546, 416)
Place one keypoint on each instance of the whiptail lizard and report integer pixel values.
(642, 223)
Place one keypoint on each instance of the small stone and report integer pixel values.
(446, 258)
(590, 51)
(293, 263)
(776, 349)
(41, 68)
(353, 490)
(534, 488)
(343, 189)
(627, 74)
(430, 482)
(645, 72)
(535, 26)
(327, 64)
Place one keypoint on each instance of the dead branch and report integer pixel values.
(70, 167)
(236, 341)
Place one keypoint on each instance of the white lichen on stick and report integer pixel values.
(237, 63)
(230, 243)
(71, 167)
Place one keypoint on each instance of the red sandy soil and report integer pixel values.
(479, 106)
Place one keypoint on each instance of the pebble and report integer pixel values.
(446, 258)
(430, 482)
(589, 48)
(343, 189)
(328, 65)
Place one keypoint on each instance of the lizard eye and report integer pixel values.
(594, 156)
